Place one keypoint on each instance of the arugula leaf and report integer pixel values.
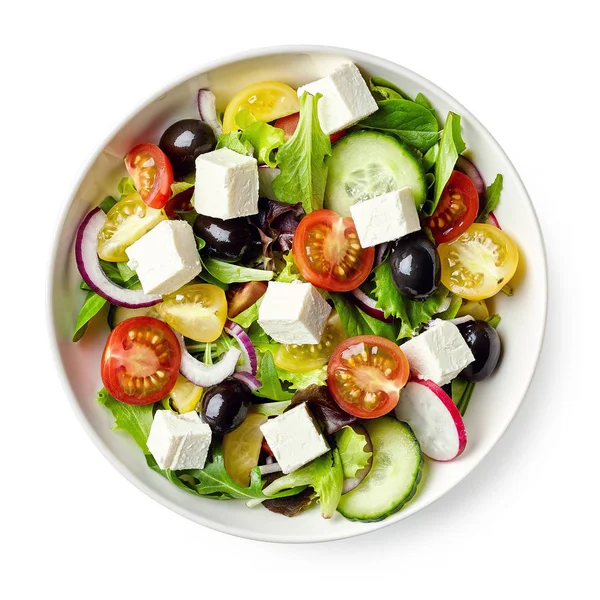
(299, 381)
(271, 385)
(451, 146)
(324, 474)
(461, 394)
(265, 138)
(357, 322)
(230, 273)
(92, 305)
(302, 160)
(430, 157)
(233, 141)
(248, 316)
(382, 89)
(492, 196)
(352, 451)
(207, 277)
(260, 340)
(107, 203)
(126, 273)
(412, 123)
(135, 420)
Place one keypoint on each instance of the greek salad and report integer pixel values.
(297, 290)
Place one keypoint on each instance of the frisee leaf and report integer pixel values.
(353, 455)
(303, 160)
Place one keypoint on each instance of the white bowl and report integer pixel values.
(495, 401)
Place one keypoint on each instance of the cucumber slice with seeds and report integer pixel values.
(366, 164)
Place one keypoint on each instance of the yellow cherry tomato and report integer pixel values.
(241, 448)
(307, 357)
(185, 395)
(267, 101)
(197, 311)
(126, 222)
(478, 263)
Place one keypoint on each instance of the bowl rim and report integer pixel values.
(363, 528)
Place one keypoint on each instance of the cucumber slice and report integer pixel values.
(366, 164)
(394, 475)
(118, 314)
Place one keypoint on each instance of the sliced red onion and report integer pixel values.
(249, 380)
(493, 220)
(369, 306)
(380, 251)
(461, 320)
(266, 175)
(205, 375)
(268, 469)
(464, 165)
(88, 263)
(207, 107)
(250, 364)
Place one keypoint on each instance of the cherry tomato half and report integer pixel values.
(181, 202)
(457, 209)
(365, 375)
(289, 124)
(328, 254)
(151, 172)
(141, 361)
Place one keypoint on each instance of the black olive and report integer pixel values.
(484, 342)
(184, 141)
(415, 266)
(230, 240)
(225, 405)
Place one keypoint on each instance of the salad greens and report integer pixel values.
(233, 141)
(492, 197)
(231, 273)
(299, 381)
(264, 138)
(353, 455)
(271, 384)
(302, 160)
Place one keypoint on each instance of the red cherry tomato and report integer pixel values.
(243, 296)
(289, 124)
(365, 375)
(328, 253)
(141, 361)
(456, 210)
(151, 172)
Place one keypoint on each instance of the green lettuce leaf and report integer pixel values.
(178, 187)
(382, 89)
(352, 451)
(299, 381)
(134, 420)
(290, 272)
(248, 316)
(461, 394)
(107, 203)
(412, 123)
(264, 138)
(451, 146)
(493, 320)
(303, 160)
(92, 305)
(271, 409)
(271, 385)
(430, 158)
(230, 273)
(233, 141)
(324, 474)
(492, 197)
(126, 187)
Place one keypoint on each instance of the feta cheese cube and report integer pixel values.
(385, 218)
(226, 184)
(346, 98)
(165, 258)
(179, 441)
(439, 354)
(293, 313)
(294, 438)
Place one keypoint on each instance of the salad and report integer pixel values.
(298, 295)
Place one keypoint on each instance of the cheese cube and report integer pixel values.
(226, 184)
(294, 438)
(346, 98)
(179, 441)
(439, 354)
(385, 218)
(165, 258)
(293, 313)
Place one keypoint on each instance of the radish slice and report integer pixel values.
(369, 305)
(434, 419)
(206, 375)
(88, 263)
(265, 181)
(464, 165)
(207, 107)
(249, 380)
(493, 220)
(250, 364)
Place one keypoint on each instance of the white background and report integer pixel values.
(525, 523)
